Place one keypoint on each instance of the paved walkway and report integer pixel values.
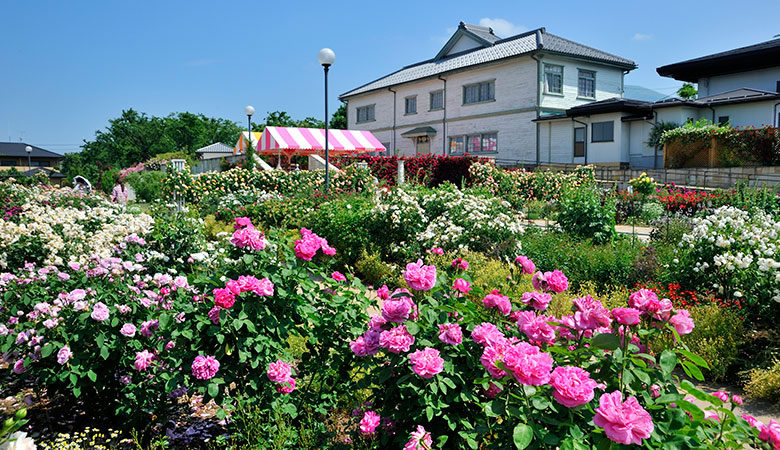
(641, 233)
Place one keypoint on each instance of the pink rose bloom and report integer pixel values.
(462, 285)
(307, 247)
(248, 237)
(623, 422)
(711, 415)
(224, 298)
(419, 276)
(396, 310)
(368, 344)
(525, 262)
(436, 251)
(771, 433)
(242, 222)
(279, 371)
(640, 298)
(234, 287)
(537, 300)
(539, 281)
(590, 314)
(493, 353)
(100, 312)
(427, 362)
(737, 400)
(496, 300)
(536, 327)
(376, 322)
(556, 281)
(573, 386)
(143, 360)
(338, 276)
(460, 264)
(19, 367)
(752, 421)
(359, 347)
(327, 249)
(487, 334)
(450, 333)
(286, 386)
(682, 322)
(626, 316)
(214, 315)
(724, 397)
(529, 365)
(659, 309)
(128, 330)
(205, 367)
(492, 391)
(383, 292)
(64, 355)
(419, 440)
(149, 327)
(369, 422)
(396, 339)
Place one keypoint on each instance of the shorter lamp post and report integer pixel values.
(249, 110)
(28, 149)
(326, 58)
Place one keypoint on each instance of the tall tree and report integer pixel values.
(339, 118)
(687, 91)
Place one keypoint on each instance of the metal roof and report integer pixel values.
(742, 95)
(615, 104)
(420, 131)
(757, 56)
(218, 147)
(538, 40)
(17, 149)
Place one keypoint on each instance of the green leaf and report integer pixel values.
(429, 412)
(667, 361)
(47, 350)
(248, 259)
(104, 352)
(213, 390)
(412, 327)
(693, 370)
(164, 320)
(522, 435)
(92, 376)
(495, 408)
(606, 341)
(696, 359)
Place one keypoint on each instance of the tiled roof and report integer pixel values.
(218, 147)
(481, 32)
(752, 57)
(742, 95)
(522, 44)
(17, 149)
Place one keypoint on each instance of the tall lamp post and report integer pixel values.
(249, 110)
(28, 149)
(326, 58)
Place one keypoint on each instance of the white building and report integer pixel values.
(740, 87)
(480, 94)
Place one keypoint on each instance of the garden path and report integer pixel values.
(641, 233)
(761, 410)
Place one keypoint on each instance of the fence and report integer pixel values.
(214, 164)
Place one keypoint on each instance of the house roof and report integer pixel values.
(742, 95)
(615, 104)
(17, 149)
(538, 40)
(757, 56)
(218, 147)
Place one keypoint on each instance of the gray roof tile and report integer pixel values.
(218, 147)
(504, 48)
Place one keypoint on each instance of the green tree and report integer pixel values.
(339, 118)
(687, 91)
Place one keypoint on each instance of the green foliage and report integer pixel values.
(345, 224)
(687, 91)
(651, 211)
(764, 383)
(659, 128)
(147, 184)
(586, 213)
(338, 120)
(373, 270)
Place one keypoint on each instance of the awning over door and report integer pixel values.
(420, 131)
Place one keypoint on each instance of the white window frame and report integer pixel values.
(370, 113)
(589, 75)
(549, 70)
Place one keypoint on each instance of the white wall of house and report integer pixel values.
(641, 154)
(764, 79)
(681, 114)
(609, 83)
(556, 141)
(748, 114)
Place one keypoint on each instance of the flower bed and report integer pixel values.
(519, 186)
(429, 170)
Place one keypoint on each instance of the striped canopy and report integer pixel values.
(307, 141)
(241, 144)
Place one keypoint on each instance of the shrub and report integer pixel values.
(429, 170)
(651, 211)
(585, 212)
(147, 184)
(716, 338)
(373, 270)
(345, 223)
(764, 383)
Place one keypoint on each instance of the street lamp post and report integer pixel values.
(326, 58)
(249, 110)
(28, 149)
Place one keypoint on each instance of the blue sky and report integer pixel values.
(70, 66)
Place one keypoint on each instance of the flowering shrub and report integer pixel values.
(522, 378)
(518, 186)
(643, 184)
(429, 170)
(734, 251)
(749, 144)
(685, 201)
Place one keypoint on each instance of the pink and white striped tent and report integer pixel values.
(290, 141)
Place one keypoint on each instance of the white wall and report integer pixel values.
(763, 79)
(556, 141)
(748, 114)
(608, 83)
(680, 114)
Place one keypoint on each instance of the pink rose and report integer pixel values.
(338, 276)
(724, 397)
(487, 334)
(640, 298)
(450, 333)
(396, 310)
(492, 354)
(143, 360)
(460, 264)
(736, 399)
(214, 315)
(462, 285)
(536, 327)
(224, 298)
(528, 364)
(537, 300)
(771, 433)
(682, 322)
(626, 316)
(205, 367)
(278, 371)
(100, 312)
(427, 362)
(573, 386)
(307, 246)
(526, 264)
(286, 386)
(419, 440)
(556, 281)
(396, 340)
(64, 355)
(327, 249)
(419, 276)
(128, 330)
(369, 422)
(623, 422)
(659, 309)
(496, 300)
(436, 251)
(383, 292)
(242, 222)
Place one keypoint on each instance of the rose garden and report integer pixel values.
(259, 311)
